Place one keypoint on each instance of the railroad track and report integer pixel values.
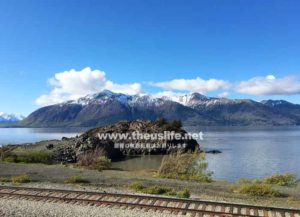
(159, 204)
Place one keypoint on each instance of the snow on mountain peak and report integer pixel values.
(191, 99)
(275, 102)
(107, 96)
(5, 117)
(147, 100)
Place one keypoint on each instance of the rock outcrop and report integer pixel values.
(118, 147)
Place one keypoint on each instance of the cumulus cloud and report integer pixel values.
(72, 84)
(269, 85)
(130, 89)
(193, 85)
(223, 94)
(169, 94)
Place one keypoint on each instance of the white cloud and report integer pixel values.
(169, 94)
(72, 84)
(269, 85)
(223, 95)
(193, 85)
(130, 89)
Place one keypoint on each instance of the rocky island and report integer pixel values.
(70, 150)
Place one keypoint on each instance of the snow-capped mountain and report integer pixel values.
(284, 107)
(195, 100)
(107, 96)
(9, 118)
(192, 99)
(107, 107)
(275, 103)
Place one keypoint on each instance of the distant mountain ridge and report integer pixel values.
(107, 107)
(10, 118)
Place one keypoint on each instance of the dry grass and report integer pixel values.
(21, 179)
(95, 159)
(264, 187)
(258, 190)
(5, 179)
(255, 188)
(4, 152)
(159, 190)
(287, 179)
(75, 179)
(31, 157)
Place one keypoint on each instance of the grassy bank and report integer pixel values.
(112, 180)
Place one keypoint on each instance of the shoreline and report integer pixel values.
(210, 152)
(54, 176)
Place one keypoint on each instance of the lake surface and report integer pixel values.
(252, 152)
(246, 152)
(25, 135)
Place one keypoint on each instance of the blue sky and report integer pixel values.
(156, 41)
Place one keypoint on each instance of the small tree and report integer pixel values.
(161, 122)
(176, 124)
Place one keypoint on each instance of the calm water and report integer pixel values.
(253, 152)
(24, 135)
(247, 152)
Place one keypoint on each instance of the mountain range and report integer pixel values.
(107, 107)
(10, 118)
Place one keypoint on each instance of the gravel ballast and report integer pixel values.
(22, 208)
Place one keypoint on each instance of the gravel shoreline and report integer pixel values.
(25, 208)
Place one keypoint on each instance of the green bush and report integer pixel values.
(103, 163)
(176, 124)
(31, 157)
(161, 122)
(76, 179)
(184, 193)
(247, 181)
(137, 186)
(185, 166)
(21, 179)
(5, 151)
(5, 179)
(257, 189)
(11, 159)
(159, 190)
(35, 157)
(287, 179)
